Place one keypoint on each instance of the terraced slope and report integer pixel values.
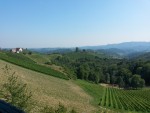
(48, 90)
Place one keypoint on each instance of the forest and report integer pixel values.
(126, 73)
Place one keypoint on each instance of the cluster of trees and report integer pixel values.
(26, 51)
(125, 73)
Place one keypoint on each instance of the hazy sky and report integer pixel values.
(71, 23)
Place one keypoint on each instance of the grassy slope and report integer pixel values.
(43, 58)
(96, 91)
(23, 61)
(48, 90)
(40, 58)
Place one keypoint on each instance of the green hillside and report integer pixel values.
(39, 58)
(23, 61)
(48, 90)
(81, 95)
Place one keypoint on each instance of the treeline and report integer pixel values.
(125, 73)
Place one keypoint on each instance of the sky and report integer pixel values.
(72, 23)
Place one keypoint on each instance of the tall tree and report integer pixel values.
(137, 82)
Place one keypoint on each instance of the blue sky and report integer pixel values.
(71, 23)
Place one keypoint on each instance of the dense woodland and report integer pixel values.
(126, 73)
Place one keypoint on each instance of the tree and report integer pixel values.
(139, 70)
(142, 83)
(112, 79)
(146, 73)
(30, 53)
(126, 74)
(120, 82)
(137, 82)
(93, 76)
(107, 78)
(77, 49)
(83, 71)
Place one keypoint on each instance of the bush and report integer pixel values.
(48, 109)
(61, 109)
(16, 92)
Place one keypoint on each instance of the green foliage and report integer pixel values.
(47, 109)
(21, 60)
(16, 92)
(83, 71)
(88, 66)
(30, 53)
(136, 81)
(120, 82)
(73, 111)
(146, 73)
(84, 65)
(61, 109)
(77, 49)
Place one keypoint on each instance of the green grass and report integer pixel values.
(96, 91)
(23, 61)
(39, 58)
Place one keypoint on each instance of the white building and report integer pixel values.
(16, 50)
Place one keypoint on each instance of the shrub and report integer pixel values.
(61, 109)
(16, 92)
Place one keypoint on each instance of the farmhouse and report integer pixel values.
(16, 50)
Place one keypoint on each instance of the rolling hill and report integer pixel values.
(24, 61)
(48, 90)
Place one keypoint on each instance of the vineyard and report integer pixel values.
(131, 100)
(23, 61)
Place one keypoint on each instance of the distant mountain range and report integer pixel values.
(136, 46)
(122, 49)
(126, 49)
